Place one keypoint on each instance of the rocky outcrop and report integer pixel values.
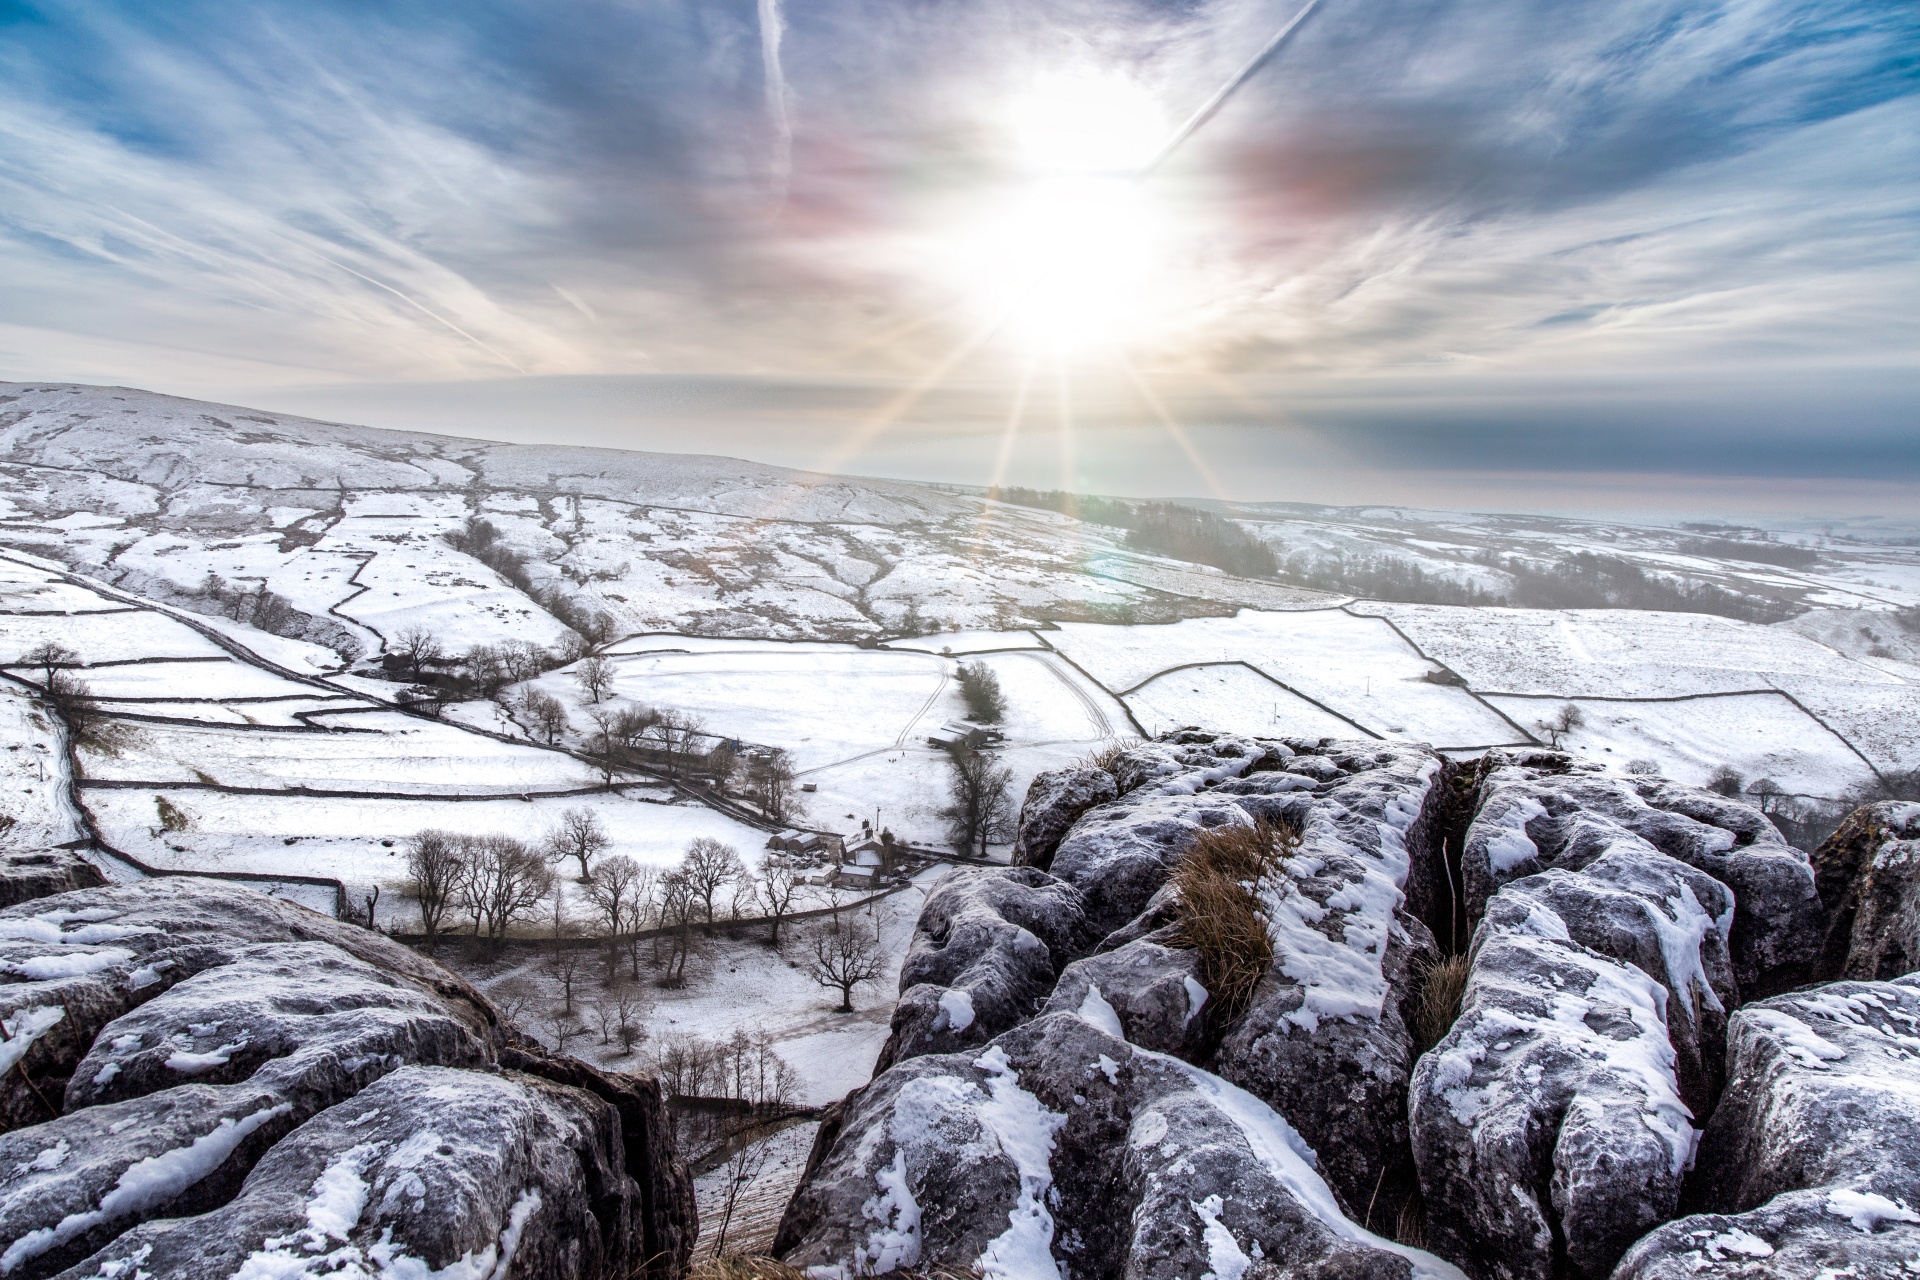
(1548, 1125)
(240, 1075)
(1130, 1041)
(985, 951)
(1062, 1149)
(1868, 872)
(1543, 809)
(1055, 800)
(1810, 1166)
(26, 874)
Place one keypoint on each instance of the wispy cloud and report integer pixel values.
(1414, 191)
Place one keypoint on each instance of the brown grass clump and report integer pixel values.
(740, 1267)
(1437, 1005)
(1223, 915)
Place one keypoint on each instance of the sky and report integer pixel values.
(1528, 254)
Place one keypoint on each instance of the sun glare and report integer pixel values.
(1063, 257)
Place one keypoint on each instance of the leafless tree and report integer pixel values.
(49, 657)
(484, 670)
(678, 907)
(744, 1168)
(708, 867)
(603, 746)
(564, 966)
(980, 811)
(842, 954)
(561, 1028)
(1563, 722)
(579, 836)
(630, 1009)
(771, 785)
(618, 890)
(605, 1020)
(595, 675)
(434, 870)
(778, 887)
(545, 713)
(416, 647)
(523, 660)
(505, 882)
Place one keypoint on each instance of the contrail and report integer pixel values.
(1212, 105)
(775, 78)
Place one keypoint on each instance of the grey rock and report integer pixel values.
(1868, 872)
(986, 949)
(1054, 802)
(186, 1050)
(26, 874)
(427, 1170)
(1544, 809)
(1547, 1125)
(1810, 1165)
(1664, 918)
(1153, 989)
(1061, 1145)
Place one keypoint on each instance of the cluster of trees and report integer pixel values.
(742, 1069)
(256, 606)
(986, 703)
(480, 539)
(494, 883)
(1754, 551)
(1164, 528)
(1583, 580)
(979, 809)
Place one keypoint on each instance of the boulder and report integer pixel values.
(1547, 1126)
(1541, 809)
(1054, 802)
(1810, 1165)
(985, 951)
(1868, 872)
(1153, 989)
(1062, 1150)
(206, 1077)
(26, 874)
(428, 1171)
(190, 1029)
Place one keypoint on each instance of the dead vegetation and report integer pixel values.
(1436, 1006)
(1223, 880)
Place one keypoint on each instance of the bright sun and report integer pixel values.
(1063, 258)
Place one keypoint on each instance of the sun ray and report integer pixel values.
(1175, 430)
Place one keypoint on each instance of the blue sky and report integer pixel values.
(1432, 249)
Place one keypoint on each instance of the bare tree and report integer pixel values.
(546, 714)
(49, 657)
(603, 746)
(708, 867)
(744, 1168)
(842, 954)
(630, 1009)
(564, 965)
(505, 882)
(595, 675)
(771, 785)
(434, 870)
(1726, 780)
(619, 889)
(678, 906)
(679, 733)
(579, 836)
(980, 811)
(605, 1020)
(416, 647)
(776, 890)
(1568, 718)
(523, 660)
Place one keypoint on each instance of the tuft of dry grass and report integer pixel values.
(1223, 914)
(1104, 757)
(735, 1266)
(1436, 1007)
